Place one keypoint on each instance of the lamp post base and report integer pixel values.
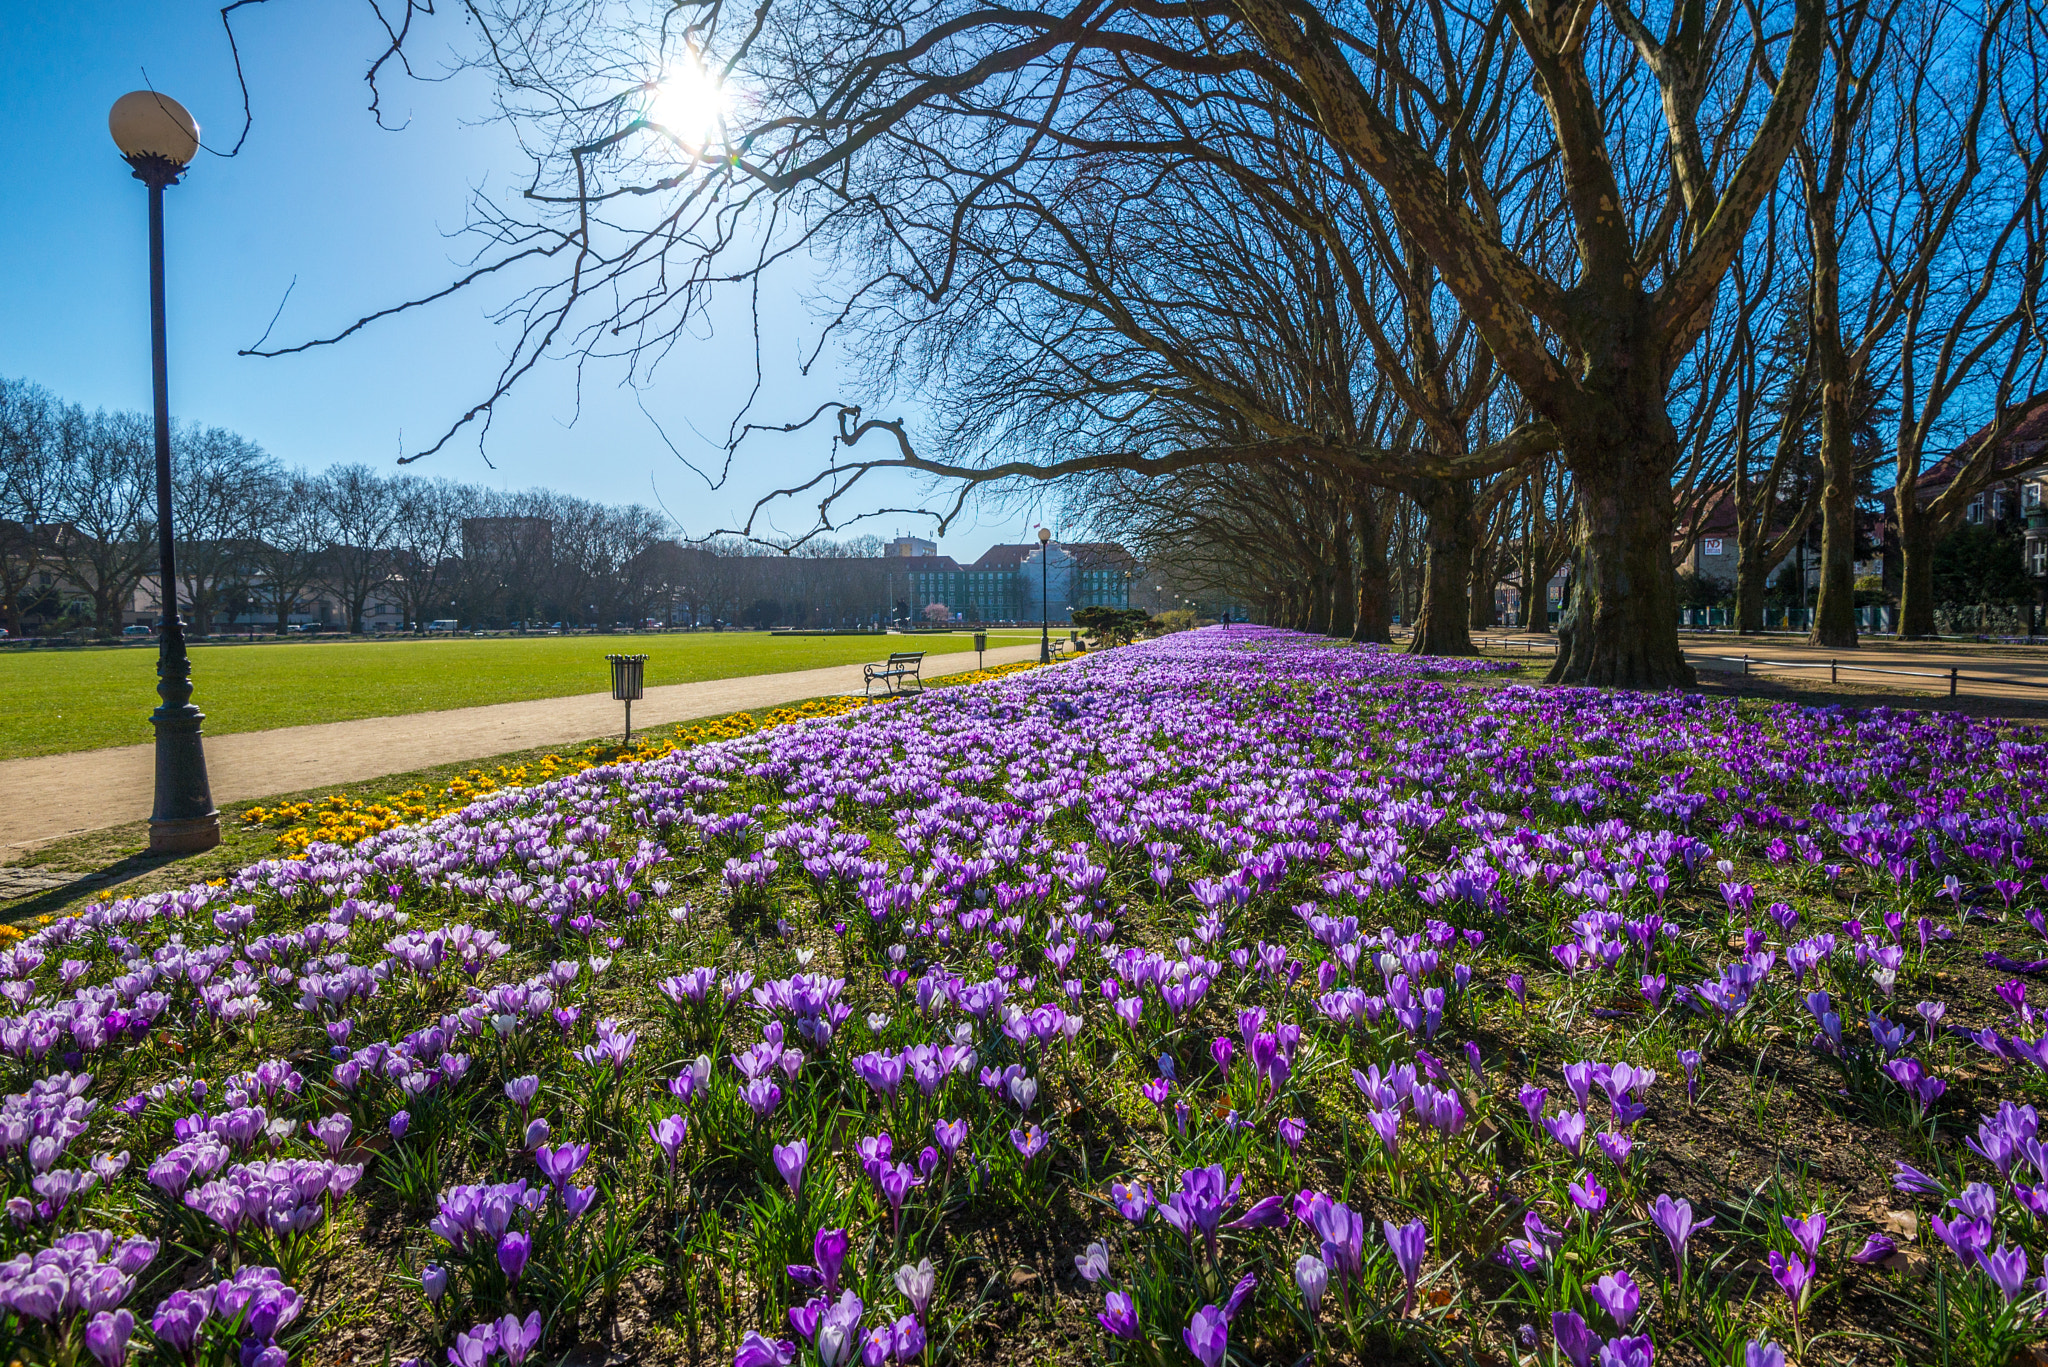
(183, 819)
(184, 835)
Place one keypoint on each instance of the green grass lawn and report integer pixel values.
(59, 701)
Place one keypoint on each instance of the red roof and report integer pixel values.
(2023, 445)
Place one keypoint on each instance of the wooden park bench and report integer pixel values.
(902, 666)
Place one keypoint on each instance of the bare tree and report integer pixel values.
(109, 541)
(1970, 341)
(1665, 144)
(362, 512)
(426, 545)
(219, 481)
(37, 439)
(293, 539)
(1888, 170)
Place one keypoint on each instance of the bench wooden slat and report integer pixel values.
(901, 664)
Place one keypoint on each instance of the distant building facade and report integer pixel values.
(1013, 584)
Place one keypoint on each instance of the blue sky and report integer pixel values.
(349, 218)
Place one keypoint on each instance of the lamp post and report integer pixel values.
(158, 139)
(1045, 595)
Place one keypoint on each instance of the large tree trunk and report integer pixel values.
(1481, 610)
(1442, 626)
(1750, 575)
(1535, 590)
(1343, 598)
(1834, 617)
(1916, 572)
(1375, 617)
(1624, 611)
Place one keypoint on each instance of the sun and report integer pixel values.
(691, 105)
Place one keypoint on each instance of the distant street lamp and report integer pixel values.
(1045, 595)
(158, 139)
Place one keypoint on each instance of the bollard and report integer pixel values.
(1952, 681)
(1831, 673)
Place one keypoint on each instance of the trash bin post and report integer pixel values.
(628, 675)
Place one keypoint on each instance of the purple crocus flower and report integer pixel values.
(1639, 1351)
(790, 1160)
(2007, 1269)
(1794, 1276)
(179, 1316)
(756, 1351)
(107, 1334)
(1755, 1354)
(897, 1180)
(513, 1251)
(1574, 1339)
(1312, 1278)
(1808, 1232)
(1617, 1293)
(804, 1318)
(1242, 1292)
(1117, 1316)
(951, 1134)
(1028, 1142)
(668, 1133)
(1674, 1220)
(1569, 1130)
(1409, 1243)
(559, 1164)
(762, 1097)
(1342, 1231)
(1208, 1336)
(332, 1131)
(828, 1251)
(1587, 1194)
(1200, 1204)
(838, 1340)
(1269, 1212)
(1133, 1202)
(920, 1282)
(517, 1337)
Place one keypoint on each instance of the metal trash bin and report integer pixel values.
(628, 683)
(980, 644)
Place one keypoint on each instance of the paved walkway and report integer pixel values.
(1985, 671)
(52, 796)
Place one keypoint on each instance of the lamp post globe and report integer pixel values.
(1045, 595)
(158, 138)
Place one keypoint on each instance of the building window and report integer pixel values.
(1975, 512)
(2030, 496)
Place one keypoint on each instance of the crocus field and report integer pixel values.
(1236, 996)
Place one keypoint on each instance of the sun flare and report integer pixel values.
(691, 105)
